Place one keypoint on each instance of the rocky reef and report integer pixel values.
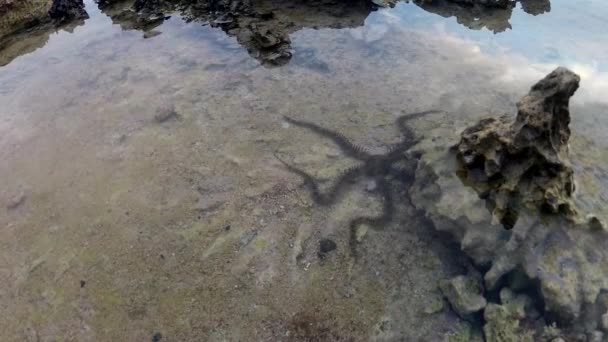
(546, 276)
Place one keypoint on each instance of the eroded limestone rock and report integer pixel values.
(524, 162)
(519, 166)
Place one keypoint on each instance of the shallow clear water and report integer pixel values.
(189, 226)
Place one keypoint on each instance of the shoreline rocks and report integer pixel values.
(517, 171)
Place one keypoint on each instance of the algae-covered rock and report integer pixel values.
(504, 321)
(465, 294)
(604, 322)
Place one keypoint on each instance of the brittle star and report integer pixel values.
(375, 166)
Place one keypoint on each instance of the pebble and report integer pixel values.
(596, 336)
(157, 337)
(16, 200)
(604, 322)
(165, 113)
(326, 246)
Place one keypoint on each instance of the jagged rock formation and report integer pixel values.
(525, 162)
(517, 172)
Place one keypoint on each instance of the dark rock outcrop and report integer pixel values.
(262, 28)
(63, 10)
(475, 15)
(535, 7)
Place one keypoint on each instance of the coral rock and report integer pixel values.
(524, 162)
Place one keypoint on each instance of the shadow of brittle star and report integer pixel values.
(381, 168)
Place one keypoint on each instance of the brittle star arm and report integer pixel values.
(349, 148)
(334, 191)
(374, 222)
(408, 140)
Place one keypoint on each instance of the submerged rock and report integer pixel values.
(504, 322)
(465, 294)
(516, 173)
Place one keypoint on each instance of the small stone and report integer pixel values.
(596, 336)
(434, 305)
(371, 185)
(326, 246)
(604, 322)
(16, 200)
(360, 233)
(157, 337)
(464, 294)
(165, 113)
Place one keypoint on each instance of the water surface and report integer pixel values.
(123, 225)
